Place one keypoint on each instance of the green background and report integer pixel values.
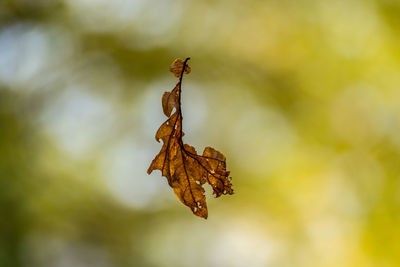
(301, 96)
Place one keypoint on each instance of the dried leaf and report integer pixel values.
(177, 66)
(170, 101)
(185, 170)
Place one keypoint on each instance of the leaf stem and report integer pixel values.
(180, 89)
(181, 128)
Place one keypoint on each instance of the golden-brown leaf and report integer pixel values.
(170, 101)
(177, 66)
(185, 170)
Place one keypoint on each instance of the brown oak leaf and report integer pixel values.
(185, 170)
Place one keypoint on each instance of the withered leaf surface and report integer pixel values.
(177, 66)
(185, 170)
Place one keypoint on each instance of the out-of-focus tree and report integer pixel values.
(302, 96)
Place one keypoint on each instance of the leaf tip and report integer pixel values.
(202, 213)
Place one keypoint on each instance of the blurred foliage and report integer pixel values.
(302, 96)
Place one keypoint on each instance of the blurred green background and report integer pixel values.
(301, 96)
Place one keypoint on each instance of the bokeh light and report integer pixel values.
(301, 96)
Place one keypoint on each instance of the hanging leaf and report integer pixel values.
(185, 170)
